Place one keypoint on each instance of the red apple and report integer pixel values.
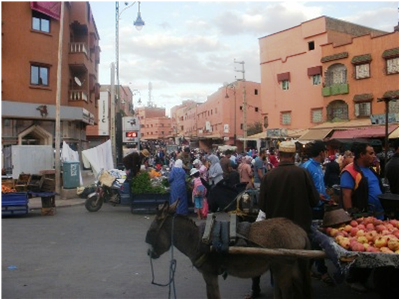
(353, 231)
(377, 222)
(353, 223)
(361, 226)
(370, 226)
(396, 233)
(372, 249)
(394, 222)
(357, 247)
(380, 228)
(348, 228)
(370, 235)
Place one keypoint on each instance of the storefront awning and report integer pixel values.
(315, 134)
(394, 134)
(363, 132)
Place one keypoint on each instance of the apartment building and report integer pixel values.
(30, 47)
(296, 71)
(220, 119)
(154, 123)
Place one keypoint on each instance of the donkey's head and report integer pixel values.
(159, 234)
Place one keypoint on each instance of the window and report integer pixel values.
(362, 71)
(394, 107)
(311, 45)
(337, 110)
(316, 115)
(362, 109)
(286, 118)
(39, 75)
(336, 74)
(40, 22)
(285, 85)
(316, 79)
(256, 109)
(255, 92)
(392, 65)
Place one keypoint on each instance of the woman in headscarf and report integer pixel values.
(215, 172)
(177, 180)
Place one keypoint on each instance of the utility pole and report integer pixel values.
(58, 105)
(112, 125)
(244, 104)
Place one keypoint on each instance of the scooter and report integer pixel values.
(109, 189)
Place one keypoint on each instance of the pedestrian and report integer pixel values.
(215, 173)
(225, 163)
(360, 186)
(392, 170)
(198, 194)
(287, 191)
(332, 172)
(245, 172)
(133, 162)
(348, 158)
(186, 159)
(272, 158)
(259, 168)
(177, 180)
(316, 152)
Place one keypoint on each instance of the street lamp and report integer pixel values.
(234, 110)
(139, 23)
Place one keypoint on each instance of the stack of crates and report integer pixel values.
(14, 204)
(21, 185)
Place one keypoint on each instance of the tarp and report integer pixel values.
(363, 132)
(315, 134)
(98, 158)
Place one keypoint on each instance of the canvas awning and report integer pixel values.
(394, 134)
(363, 132)
(315, 134)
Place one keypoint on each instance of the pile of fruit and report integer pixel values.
(367, 234)
(7, 189)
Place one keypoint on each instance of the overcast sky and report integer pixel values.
(186, 50)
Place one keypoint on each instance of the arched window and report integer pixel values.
(336, 74)
(337, 110)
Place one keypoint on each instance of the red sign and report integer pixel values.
(131, 134)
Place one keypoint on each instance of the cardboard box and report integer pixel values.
(48, 211)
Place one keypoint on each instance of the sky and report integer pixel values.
(187, 49)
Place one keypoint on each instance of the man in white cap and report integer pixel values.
(287, 191)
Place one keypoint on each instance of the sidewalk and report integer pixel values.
(36, 202)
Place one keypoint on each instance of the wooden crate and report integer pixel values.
(35, 183)
(21, 184)
(48, 185)
(8, 183)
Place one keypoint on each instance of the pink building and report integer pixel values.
(154, 123)
(220, 119)
(292, 74)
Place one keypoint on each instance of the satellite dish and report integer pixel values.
(77, 81)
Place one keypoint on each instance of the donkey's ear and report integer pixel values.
(162, 208)
(172, 208)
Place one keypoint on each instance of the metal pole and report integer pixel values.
(58, 104)
(112, 103)
(386, 128)
(244, 105)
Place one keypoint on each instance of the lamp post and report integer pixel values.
(234, 110)
(244, 104)
(386, 100)
(139, 23)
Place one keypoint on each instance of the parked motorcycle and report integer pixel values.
(110, 188)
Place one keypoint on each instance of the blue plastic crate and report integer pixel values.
(14, 199)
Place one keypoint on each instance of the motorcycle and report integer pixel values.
(110, 187)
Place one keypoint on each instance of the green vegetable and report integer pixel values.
(141, 184)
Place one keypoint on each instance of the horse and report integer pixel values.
(291, 275)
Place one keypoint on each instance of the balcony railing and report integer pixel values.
(78, 48)
(76, 95)
(335, 89)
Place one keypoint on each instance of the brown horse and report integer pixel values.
(291, 275)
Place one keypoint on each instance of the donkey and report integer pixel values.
(291, 275)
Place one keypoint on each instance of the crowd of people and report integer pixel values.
(290, 185)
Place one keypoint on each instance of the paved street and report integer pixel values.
(77, 254)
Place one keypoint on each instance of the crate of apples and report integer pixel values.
(367, 234)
